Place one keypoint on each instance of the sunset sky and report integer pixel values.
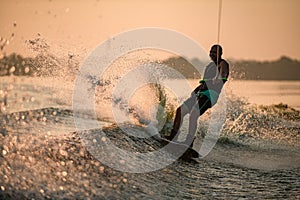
(250, 29)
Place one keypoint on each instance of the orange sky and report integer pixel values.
(250, 29)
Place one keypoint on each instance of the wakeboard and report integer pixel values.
(181, 150)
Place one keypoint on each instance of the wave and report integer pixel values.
(43, 156)
(245, 124)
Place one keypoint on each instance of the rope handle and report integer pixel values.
(205, 80)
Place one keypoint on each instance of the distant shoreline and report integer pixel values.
(284, 68)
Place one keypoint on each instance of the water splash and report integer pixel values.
(257, 125)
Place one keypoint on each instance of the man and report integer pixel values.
(204, 96)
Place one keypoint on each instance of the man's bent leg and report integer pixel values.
(200, 108)
(184, 109)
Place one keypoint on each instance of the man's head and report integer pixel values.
(216, 53)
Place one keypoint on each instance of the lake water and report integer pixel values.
(43, 157)
(60, 92)
(258, 92)
(267, 92)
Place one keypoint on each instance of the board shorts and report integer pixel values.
(203, 100)
(212, 95)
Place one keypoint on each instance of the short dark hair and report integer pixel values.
(218, 47)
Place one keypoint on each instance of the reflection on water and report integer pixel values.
(268, 92)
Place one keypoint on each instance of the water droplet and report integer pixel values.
(122, 162)
(27, 69)
(63, 152)
(12, 69)
(103, 139)
(4, 152)
(101, 169)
